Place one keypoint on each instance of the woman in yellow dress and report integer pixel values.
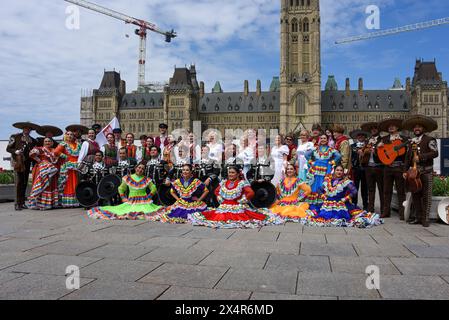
(290, 195)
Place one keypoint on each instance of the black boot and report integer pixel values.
(17, 207)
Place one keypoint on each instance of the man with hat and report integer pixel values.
(119, 141)
(97, 128)
(162, 140)
(48, 132)
(20, 146)
(426, 149)
(374, 168)
(78, 130)
(393, 173)
(343, 147)
(358, 170)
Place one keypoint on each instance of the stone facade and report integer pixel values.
(294, 100)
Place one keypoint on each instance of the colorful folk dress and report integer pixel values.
(68, 176)
(290, 195)
(337, 208)
(137, 205)
(188, 191)
(322, 160)
(234, 211)
(44, 192)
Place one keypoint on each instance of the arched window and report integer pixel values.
(294, 25)
(300, 104)
(305, 25)
(142, 102)
(308, 3)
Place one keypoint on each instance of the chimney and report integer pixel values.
(246, 88)
(201, 89)
(122, 88)
(348, 88)
(408, 85)
(259, 88)
(361, 86)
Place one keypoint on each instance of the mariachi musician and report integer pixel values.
(124, 166)
(358, 170)
(48, 132)
(156, 169)
(20, 146)
(395, 145)
(422, 152)
(374, 168)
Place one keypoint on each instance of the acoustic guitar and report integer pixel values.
(388, 153)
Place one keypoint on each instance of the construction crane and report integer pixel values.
(141, 32)
(387, 32)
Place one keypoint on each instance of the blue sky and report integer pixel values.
(45, 66)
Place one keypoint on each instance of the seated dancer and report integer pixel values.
(69, 149)
(322, 160)
(137, 201)
(290, 195)
(234, 212)
(338, 208)
(189, 193)
(44, 192)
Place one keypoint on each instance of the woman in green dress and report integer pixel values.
(137, 204)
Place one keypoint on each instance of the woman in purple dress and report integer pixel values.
(189, 193)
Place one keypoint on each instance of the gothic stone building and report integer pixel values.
(294, 100)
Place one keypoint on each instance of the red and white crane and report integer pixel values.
(141, 32)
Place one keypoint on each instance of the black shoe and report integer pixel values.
(24, 206)
(426, 223)
(415, 222)
(17, 207)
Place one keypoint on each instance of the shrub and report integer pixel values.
(7, 177)
(440, 186)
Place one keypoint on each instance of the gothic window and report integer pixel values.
(391, 105)
(142, 103)
(306, 39)
(250, 107)
(356, 106)
(161, 102)
(308, 3)
(217, 107)
(370, 106)
(295, 25)
(134, 103)
(334, 106)
(271, 107)
(237, 107)
(203, 107)
(264, 107)
(305, 25)
(405, 105)
(291, 3)
(376, 105)
(230, 107)
(300, 104)
(152, 103)
(341, 106)
(125, 103)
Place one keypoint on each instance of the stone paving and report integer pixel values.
(141, 260)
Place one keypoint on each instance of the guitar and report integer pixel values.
(388, 153)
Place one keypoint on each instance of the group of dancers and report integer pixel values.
(214, 184)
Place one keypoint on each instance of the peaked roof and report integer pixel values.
(217, 88)
(331, 84)
(275, 85)
(111, 80)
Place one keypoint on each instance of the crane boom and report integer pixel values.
(387, 32)
(120, 16)
(141, 32)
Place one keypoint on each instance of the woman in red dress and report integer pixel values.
(69, 150)
(234, 210)
(44, 192)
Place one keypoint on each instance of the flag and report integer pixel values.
(101, 137)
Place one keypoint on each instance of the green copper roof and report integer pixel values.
(331, 84)
(275, 85)
(217, 88)
(397, 84)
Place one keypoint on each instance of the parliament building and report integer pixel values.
(295, 99)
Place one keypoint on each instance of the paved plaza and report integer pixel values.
(141, 260)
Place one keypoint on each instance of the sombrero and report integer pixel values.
(443, 210)
(354, 134)
(22, 125)
(384, 125)
(55, 130)
(428, 123)
(369, 126)
(78, 127)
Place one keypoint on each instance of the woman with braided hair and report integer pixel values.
(234, 211)
(337, 208)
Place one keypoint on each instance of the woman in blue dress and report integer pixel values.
(189, 193)
(337, 207)
(321, 162)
